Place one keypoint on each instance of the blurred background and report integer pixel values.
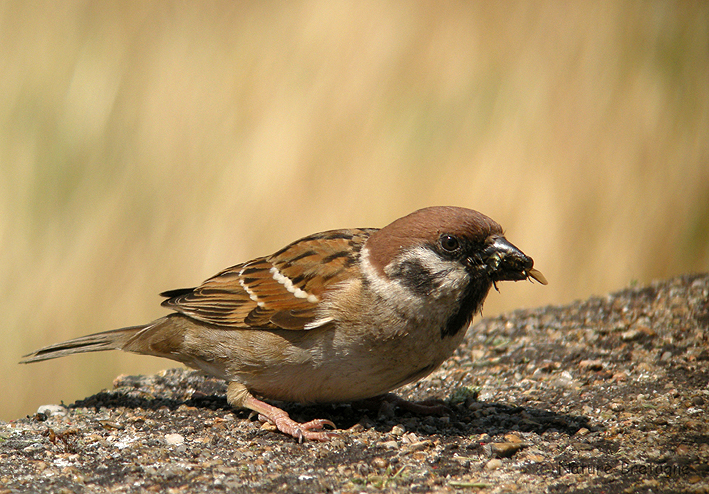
(145, 146)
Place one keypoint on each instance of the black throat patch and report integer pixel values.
(471, 303)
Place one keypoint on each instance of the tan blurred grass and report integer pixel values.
(144, 146)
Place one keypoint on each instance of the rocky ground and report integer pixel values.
(604, 395)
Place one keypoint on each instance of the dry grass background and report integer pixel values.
(145, 146)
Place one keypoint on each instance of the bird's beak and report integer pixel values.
(505, 262)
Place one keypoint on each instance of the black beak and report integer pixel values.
(505, 262)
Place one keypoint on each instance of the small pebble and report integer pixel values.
(380, 462)
(389, 444)
(631, 335)
(502, 450)
(682, 450)
(493, 464)
(418, 446)
(268, 426)
(591, 365)
(410, 438)
(398, 430)
(174, 439)
(51, 410)
(356, 428)
(620, 376)
(694, 479)
(486, 395)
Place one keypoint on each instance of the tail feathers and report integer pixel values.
(115, 339)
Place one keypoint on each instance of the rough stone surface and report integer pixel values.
(604, 395)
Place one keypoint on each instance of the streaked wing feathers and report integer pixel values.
(279, 291)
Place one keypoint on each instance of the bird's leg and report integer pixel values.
(239, 397)
(426, 407)
(390, 400)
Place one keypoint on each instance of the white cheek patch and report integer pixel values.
(384, 287)
(288, 285)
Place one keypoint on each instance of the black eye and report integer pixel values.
(449, 243)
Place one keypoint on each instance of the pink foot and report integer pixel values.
(312, 431)
(240, 397)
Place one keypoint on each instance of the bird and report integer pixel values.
(337, 316)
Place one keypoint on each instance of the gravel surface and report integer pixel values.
(604, 395)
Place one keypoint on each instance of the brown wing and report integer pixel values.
(279, 291)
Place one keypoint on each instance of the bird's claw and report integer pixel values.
(311, 431)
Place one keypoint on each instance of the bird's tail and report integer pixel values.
(116, 339)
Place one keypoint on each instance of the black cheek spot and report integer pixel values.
(414, 275)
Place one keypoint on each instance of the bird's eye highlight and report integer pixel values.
(449, 243)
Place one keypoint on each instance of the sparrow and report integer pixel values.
(337, 316)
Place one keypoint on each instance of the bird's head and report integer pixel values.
(429, 246)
